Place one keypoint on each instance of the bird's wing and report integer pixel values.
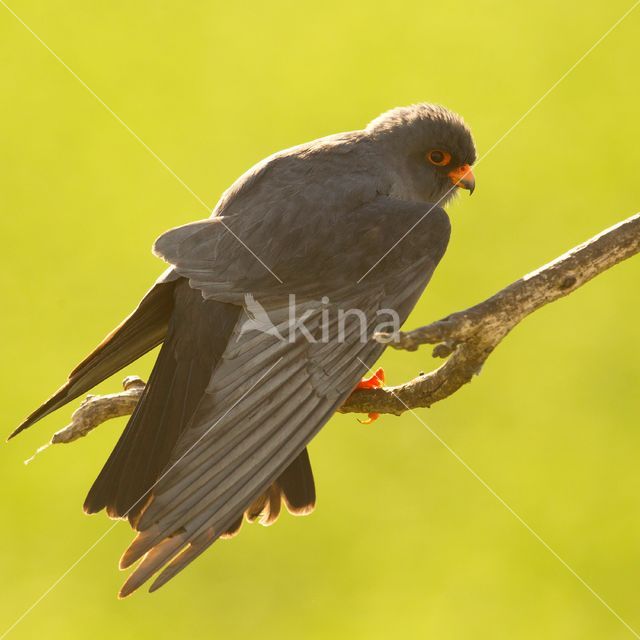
(270, 394)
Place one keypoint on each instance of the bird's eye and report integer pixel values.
(439, 158)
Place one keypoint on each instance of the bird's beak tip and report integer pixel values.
(463, 177)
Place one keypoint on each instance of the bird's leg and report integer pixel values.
(374, 382)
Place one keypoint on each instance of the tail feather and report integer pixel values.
(295, 487)
(143, 330)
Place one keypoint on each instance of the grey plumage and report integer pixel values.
(223, 425)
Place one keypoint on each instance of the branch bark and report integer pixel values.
(465, 338)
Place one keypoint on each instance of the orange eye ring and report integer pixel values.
(439, 158)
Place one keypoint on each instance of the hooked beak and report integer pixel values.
(463, 177)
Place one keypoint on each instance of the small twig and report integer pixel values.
(466, 338)
(95, 410)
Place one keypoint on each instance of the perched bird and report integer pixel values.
(348, 222)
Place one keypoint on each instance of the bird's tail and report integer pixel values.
(143, 330)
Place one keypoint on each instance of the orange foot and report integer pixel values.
(374, 382)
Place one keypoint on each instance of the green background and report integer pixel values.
(404, 539)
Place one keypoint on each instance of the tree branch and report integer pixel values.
(468, 337)
(465, 338)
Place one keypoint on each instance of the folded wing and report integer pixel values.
(272, 391)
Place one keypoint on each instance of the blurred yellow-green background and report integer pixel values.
(405, 541)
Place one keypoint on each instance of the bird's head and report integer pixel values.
(429, 150)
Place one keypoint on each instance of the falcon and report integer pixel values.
(265, 316)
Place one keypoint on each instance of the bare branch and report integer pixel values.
(465, 338)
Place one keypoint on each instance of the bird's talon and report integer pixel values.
(372, 417)
(374, 382)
